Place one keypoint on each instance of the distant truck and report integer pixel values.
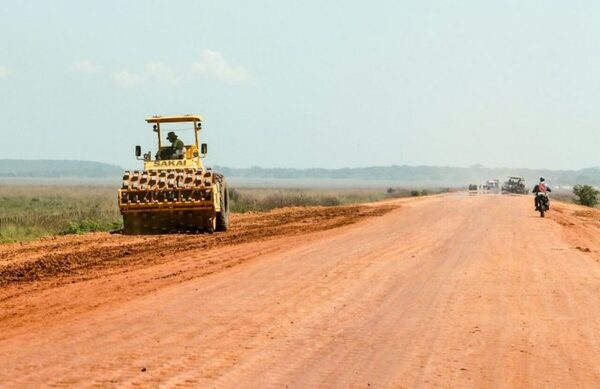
(515, 185)
(492, 186)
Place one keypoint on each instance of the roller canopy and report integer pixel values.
(174, 119)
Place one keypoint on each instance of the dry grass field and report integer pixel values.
(30, 212)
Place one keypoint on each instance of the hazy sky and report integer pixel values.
(306, 83)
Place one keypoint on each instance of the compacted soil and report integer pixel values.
(443, 291)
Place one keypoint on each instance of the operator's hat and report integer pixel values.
(171, 134)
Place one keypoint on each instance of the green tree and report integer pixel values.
(587, 195)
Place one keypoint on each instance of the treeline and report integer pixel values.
(416, 175)
(432, 174)
(57, 168)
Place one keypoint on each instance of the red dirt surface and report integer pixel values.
(448, 291)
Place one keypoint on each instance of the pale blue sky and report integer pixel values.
(306, 83)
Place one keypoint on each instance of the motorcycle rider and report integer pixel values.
(540, 187)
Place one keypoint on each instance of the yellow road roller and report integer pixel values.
(174, 192)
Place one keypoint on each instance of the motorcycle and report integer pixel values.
(543, 202)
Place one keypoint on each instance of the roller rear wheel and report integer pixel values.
(223, 215)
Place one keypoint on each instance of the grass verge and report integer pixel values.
(30, 212)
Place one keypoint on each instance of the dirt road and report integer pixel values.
(451, 291)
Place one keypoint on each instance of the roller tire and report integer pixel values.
(130, 225)
(223, 216)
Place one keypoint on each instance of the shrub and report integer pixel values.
(587, 195)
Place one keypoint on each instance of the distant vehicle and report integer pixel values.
(492, 185)
(514, 185)
(472, 187)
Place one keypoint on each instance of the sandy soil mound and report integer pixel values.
(78, 255)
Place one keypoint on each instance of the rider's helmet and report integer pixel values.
(542, 179)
